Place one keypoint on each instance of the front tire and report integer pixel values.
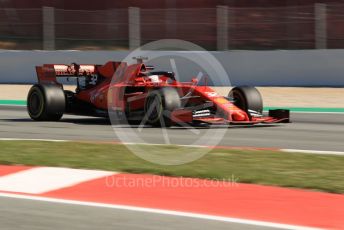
(247, 98)
(46, 102)
(158, 106)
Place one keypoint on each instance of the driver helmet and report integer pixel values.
(154, 78)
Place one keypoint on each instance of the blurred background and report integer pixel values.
(211, 24)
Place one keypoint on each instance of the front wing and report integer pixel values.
(275, 116)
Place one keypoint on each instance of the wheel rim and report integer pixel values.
(153, 109)
(239, 100)
(35, 104)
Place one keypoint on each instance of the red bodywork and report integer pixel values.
(117, 86)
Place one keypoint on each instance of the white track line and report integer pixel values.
(11, 105)
(320, 152)
(161, 211)
(29, 139)
(313, 152)
(45, 179)
(305, 112)
(157, 144)
(312, 112)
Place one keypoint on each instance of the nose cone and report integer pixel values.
(239, 116)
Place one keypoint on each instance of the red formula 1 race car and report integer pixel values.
(137, 92)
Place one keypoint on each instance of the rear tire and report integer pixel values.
(247, 98)
(159, 104)
(46, 102)
(70, 101)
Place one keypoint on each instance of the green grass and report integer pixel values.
(317, 172)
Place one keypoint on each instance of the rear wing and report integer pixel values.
(48, 73)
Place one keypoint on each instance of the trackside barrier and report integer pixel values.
(258, 68)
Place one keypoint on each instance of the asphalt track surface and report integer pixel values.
(19, 214)
(308, 131)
